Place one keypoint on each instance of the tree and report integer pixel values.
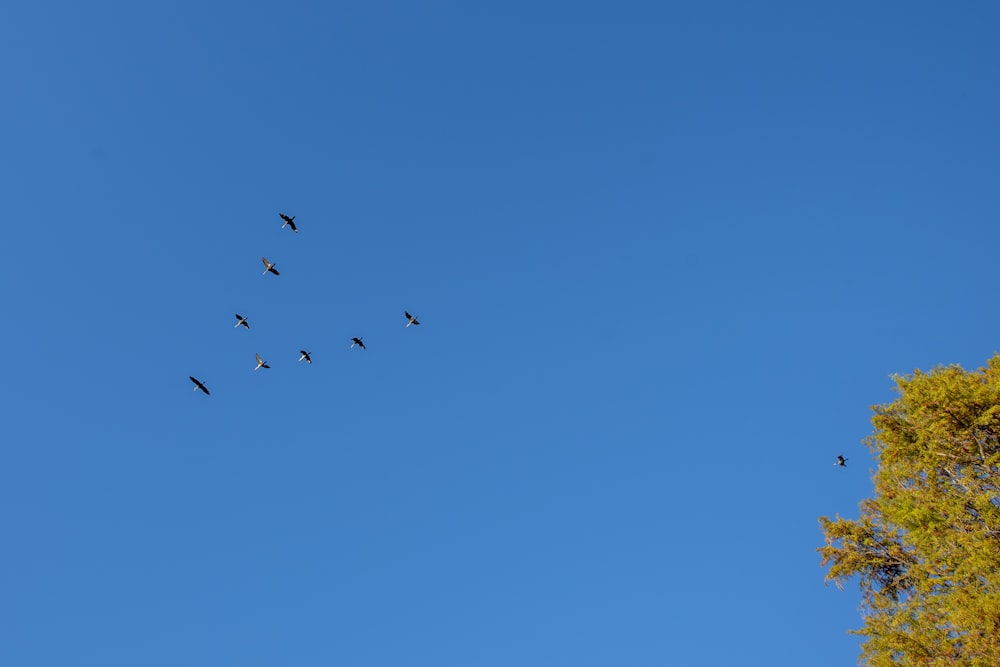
(926, 548)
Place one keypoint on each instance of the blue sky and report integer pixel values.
(665, 257)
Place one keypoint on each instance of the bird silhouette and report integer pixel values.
(305, 355)
(241, 320)
(260, 362)
(270, 267)
(410, 319)
(198, 385)
(841, 461)
(357, 341)
(289, 222)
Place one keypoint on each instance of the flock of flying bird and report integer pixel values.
(289, 221)
(305, 356)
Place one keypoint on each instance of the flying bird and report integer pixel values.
(270, 267)
(410, 319)
(198, 385)
(357, 341)
(241, 320)
(305, 355)
(841, 461)
(260, 362)
(289, 222)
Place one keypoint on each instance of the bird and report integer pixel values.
(410, 319)
(290, 222)
(270, 267)
(305, 355)
(198, 385)
(841, 461)
(241, 320)
(357, 341)
(260, 362)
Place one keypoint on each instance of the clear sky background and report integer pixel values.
(665, 256)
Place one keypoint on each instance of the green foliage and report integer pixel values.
(926, 548)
